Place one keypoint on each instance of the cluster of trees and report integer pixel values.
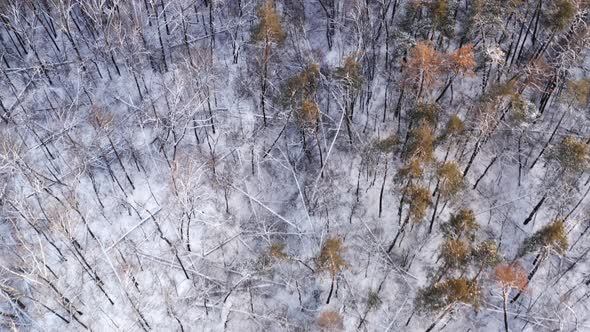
(294, 165)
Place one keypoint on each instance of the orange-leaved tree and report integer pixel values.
(424, 65)
(459, 62)
(509, 277)
(462, 60)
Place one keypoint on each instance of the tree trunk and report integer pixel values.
(263, 83)
(548, 141)
(504, 305)
(535, 209)
(382, 188)
(472, 158)
(331, 290)
(485, 172)
(444, 313)
(399, 232)
(434, 213)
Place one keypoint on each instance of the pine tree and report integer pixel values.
(387, 144)
(450, 179)
(571, 155)
(552, 237)
(269, 31)
(449, 292)
(300, 93)
(453, 128)
(421, 144)
(579, 92)
(277, 250)
(442, 18)
(444, 295)
(419, 200)
(303, 85)
(485, 255)
(426, 113)
(350, 74)
(449, 184)
(461, 225)
(330, 260)
(523, 111)
(455, 254)
(414, 20)
(309, 113)
(561, 14)
(412, 170)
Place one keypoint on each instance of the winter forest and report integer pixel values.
(294, 165)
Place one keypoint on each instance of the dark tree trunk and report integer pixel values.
(485, 171)
(535, 209)
(331, 291)
(382, 189)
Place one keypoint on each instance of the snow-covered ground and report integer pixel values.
(141, 189)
